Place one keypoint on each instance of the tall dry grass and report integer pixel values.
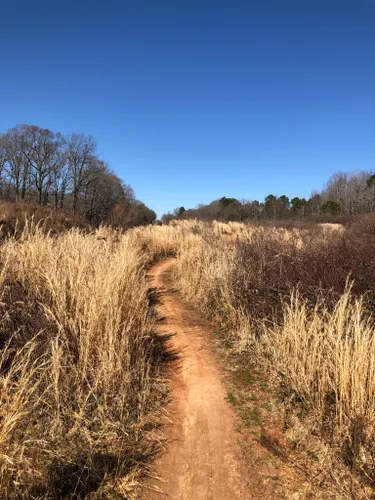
(328, 357)
(79, 365)
(157, 242)
(283, 294)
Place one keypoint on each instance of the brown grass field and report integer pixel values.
(82, 372)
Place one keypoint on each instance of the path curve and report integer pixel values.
(202, 460)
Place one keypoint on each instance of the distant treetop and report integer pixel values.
(343, 194)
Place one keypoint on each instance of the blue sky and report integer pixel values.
(193, 100)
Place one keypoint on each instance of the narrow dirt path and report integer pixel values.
(202, 460)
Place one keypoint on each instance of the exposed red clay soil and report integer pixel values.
(203, 459)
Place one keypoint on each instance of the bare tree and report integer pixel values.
(15, 162)
(103, 190)
(130, 212)
(3, 155)
(351, 191)
(43, 151)
(59, 181)
(81, 154)
(39, 165)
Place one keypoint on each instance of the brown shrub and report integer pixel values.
(267, 269)
(14, 217)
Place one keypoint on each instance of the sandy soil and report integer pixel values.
(203, 459)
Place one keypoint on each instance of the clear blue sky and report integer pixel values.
(193, 100)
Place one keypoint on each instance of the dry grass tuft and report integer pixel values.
(158, 242)
(79, 368)
(328, 357)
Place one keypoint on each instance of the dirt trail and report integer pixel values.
(202, 460)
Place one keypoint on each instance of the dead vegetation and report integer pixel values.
(14, 216)
(80, 370)
(299, 300)
(79, 365)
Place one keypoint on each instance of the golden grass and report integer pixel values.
(326, 355)
(164, 241)
(202, 271)
(329, 359)
(78, 374)
(79, 364)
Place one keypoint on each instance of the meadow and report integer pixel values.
(82, 373)
(294, 303)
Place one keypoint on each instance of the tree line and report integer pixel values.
(344, 194)
(45, 167)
